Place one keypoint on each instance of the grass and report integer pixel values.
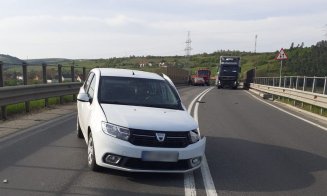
(36, 105)
(304, 106)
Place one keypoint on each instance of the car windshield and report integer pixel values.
(229, 68)
(203, 72)
(138, 92)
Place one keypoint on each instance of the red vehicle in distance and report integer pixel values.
(201, 77)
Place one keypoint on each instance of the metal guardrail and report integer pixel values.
(16, 94)
(315, 99)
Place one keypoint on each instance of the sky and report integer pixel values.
(88, 29)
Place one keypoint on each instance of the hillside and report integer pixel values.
(309, 61)
(7, 59)
(49, 61)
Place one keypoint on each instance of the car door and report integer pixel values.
(83, 106)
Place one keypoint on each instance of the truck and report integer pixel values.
(249, 78)
(229, 69)
(201, 77)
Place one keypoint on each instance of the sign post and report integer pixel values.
(281, 56)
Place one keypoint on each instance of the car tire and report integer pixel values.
(79, 130)
(91, 155)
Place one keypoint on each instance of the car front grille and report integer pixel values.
(227, 78)
(149, 139)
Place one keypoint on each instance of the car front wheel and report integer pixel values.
(91, 155)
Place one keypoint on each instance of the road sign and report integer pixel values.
(281, 55)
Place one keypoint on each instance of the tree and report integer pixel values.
(292, 46)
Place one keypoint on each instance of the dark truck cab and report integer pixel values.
(229, 70)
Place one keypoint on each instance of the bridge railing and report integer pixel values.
(309, 84)
(26, 82)
(298, 89)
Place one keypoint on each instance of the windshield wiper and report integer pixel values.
(162, 106)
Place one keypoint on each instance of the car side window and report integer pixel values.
(92, 88)
(88, 81)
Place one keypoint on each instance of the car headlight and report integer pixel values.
(194, 136)
(115, 131)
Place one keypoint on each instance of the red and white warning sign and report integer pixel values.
(281, 55)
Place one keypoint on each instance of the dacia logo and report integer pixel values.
(160, 137)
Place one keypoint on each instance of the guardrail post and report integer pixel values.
(3, 108)
(27, 103)
(44, 77)
(297, 82)
(313, 84)
(273, 81)
(84, 73)
(1, 74)
(24, 66)
(324, 91)
(284, 81)
(304, 84)
(291, 82)
(72, 72)
(61, 98)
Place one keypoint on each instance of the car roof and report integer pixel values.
(128, 73)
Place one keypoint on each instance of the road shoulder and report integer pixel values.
(21, 122)
(318, 119)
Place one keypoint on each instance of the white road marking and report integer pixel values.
(196, 108)
(194, 100)
(207, 178)
(206, 175)
(189, 177)
(289, 113)
(189, 184)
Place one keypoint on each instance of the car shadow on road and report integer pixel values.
(241, 165)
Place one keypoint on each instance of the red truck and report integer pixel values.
(201, 77)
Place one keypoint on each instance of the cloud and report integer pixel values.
(159, 31)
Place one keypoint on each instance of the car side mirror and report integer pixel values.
(83, 97)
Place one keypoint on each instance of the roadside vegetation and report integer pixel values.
(36, 105)
(309, 61)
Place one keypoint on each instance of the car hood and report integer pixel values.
(149, 118)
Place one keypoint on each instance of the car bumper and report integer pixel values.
(131, 156)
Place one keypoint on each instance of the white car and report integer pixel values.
(135, 121)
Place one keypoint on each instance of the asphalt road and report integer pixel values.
(252, 149)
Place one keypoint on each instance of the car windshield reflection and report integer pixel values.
(138, 92)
